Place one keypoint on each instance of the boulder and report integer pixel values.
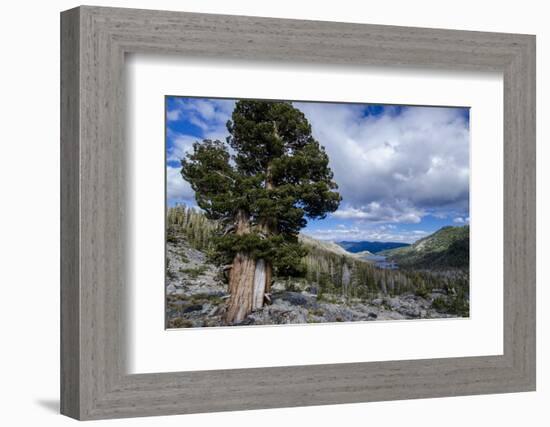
(294, 298)
(192, 307)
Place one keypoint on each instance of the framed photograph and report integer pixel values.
(261, 213)
(309, 212)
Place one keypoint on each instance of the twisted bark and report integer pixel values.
(241, 279)
(240, 288)
(263, 271)
(250, 279)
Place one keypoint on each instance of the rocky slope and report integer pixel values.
(196, 293)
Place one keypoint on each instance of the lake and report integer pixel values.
(382, 262)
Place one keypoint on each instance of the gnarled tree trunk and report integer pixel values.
(259, 284)
(250, 279)
(241, 278)
(262, 282)
(241, 288)
(263, 272)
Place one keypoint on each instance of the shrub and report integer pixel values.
(440, 304)
(458, 305)
(291, 287)
(194, 272)
(422, 292)
(317, 312)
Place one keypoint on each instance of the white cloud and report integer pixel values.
(180, 146)
(460, 220)
(395, 167)
(391, 168)
(376, 212)
(177, 189)
(210, 115)
(355, 233)
(173, 115)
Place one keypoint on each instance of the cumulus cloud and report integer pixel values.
(180, 145)
(460, 220)
(397, 166)
(392, 168)
(376, 212)
(210, 115)
(173, 115)
(355, 233)
(177, 189)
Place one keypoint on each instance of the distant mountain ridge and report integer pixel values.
(372, 247)
(331, 247)
(324, 245)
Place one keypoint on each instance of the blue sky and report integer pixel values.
(403, 171)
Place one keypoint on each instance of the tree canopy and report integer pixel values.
(270, 171)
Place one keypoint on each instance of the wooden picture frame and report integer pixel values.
(94, 41)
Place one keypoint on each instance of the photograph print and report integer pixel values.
(291, 212)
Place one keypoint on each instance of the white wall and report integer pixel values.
(29, 226)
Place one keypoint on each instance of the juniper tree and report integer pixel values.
(277, 176)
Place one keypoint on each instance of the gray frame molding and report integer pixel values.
(94, 41)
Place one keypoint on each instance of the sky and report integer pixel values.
(403, 171)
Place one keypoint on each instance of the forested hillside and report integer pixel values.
(447, 248)
(197, 229)
(328, 272)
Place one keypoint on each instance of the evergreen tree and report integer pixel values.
(277, 176)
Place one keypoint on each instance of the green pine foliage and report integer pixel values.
(277, 176)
